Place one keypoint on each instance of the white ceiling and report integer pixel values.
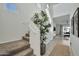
(64, 8)
(64, 20)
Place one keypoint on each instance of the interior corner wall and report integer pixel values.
(14, 25)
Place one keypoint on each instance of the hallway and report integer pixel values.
(61, 47)
(52, 28)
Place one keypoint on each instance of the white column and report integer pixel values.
(34, 38)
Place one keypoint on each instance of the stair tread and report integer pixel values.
(25, 52)
(33, 55)
(11, 46)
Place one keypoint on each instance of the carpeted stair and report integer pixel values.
(17, 48)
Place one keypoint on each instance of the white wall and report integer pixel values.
(13, 25)
(57, 29)
(68, 8)
(34, 38)
(74, 45)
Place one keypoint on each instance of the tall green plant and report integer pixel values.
(41, 20)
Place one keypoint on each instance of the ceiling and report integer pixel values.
(65, 19)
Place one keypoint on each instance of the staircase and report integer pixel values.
(17, 48)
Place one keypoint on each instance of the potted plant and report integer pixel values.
(41, 20)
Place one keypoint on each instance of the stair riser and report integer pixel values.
(20, 49)
(26, 38)
(30, 53)
(27, 35)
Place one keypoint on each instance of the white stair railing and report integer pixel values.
(34, 38)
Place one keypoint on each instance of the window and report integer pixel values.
(11, 7)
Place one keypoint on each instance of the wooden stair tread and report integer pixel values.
(26, 52)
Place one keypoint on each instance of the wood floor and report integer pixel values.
(60, 50)
(61, 47)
